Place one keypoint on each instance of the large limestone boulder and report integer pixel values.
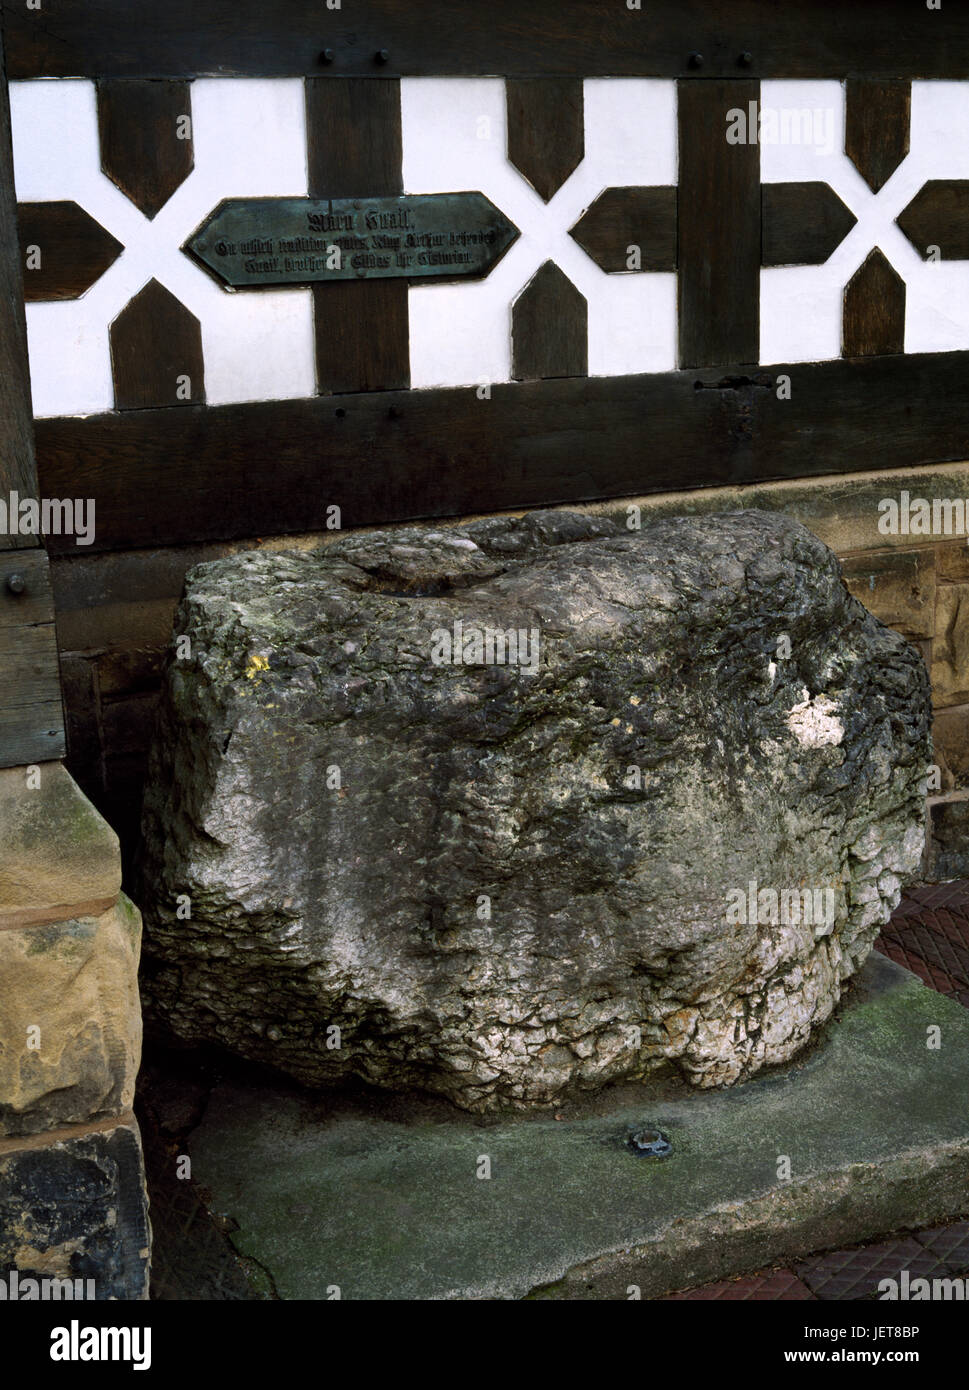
(661, 814)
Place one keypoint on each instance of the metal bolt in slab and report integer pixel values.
(650, 1142)
(16, 583)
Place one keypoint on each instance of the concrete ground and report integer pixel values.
(294, 1196)
(929, 935)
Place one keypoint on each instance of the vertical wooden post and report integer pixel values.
(31, 718)
(354, 148)
(718, 224)
(18, 468)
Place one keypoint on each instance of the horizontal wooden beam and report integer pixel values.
(188, 38)
(229, 472)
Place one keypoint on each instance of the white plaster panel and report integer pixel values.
(455, 139)
(801, 306)
(937, 298)
(249, 138)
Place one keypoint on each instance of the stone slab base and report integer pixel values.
(871, 1123)
(73, 1207)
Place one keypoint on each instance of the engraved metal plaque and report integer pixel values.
(299, 241)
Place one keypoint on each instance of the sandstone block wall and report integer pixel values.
(72, 1196)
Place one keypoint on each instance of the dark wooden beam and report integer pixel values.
(354, 141)
(938, 216)
(31, 719)
(549, 327)
(17, 468)
(230, 472)
(355, 146)
(877, 118)
(546, 129)
(521, 38)
(874, 310)
(718, 227)
(156, 352)
(146, 141)
(801, 223)
(63, 250)
(621, 219)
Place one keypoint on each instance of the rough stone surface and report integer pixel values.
(950, 650)
(610, 806)
(898, 586)
(70, 1020)
(950, 736)
(343, 1197)
(952, 561)
(56, 851)
(947, 856)
(77, 1209)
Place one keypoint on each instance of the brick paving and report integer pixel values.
(929, 935)
(853, 1274)
(950, 1243)
(774, 1285)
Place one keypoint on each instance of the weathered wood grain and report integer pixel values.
(936, 221)
(228, 472)
(31, 718)
(523, 38)
(354, 146)
(72, 250)
(874, 310)
(156, 352)
(146, 141)
(877, 116)
(802, 223)
(622, 220)
(17, 469)
(718, 227)
(549, 327)
(546, 129)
